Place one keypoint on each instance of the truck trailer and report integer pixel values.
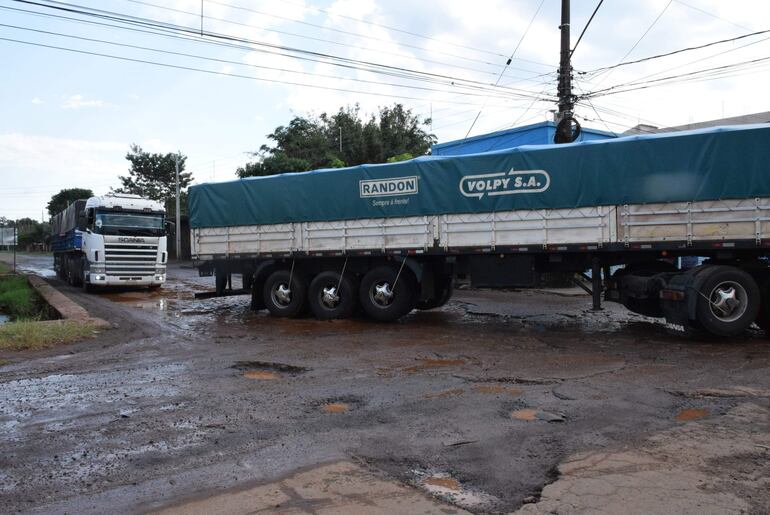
(388, 238)
(112, 240)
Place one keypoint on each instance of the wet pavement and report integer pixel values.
(477, 403)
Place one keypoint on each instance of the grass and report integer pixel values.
(34, 335)
(4, 269)
(17, 298)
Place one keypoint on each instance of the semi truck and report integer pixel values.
(388, 238)
(111, 240)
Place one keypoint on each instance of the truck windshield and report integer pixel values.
(130, 224)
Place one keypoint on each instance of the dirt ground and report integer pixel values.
(498, 402)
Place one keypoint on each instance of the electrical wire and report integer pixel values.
(712, 15)
(524, 35)
(681, 50)
(270, 48)
(654, 22)
(586, 27)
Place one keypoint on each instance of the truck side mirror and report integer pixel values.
(170, 227)
(82, 221)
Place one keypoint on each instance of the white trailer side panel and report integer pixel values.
(590, 225)
(747, 219)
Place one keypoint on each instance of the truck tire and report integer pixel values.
(443, 294)
(257, 297)
(285, 294)
(728, 302)
(381, 300)
(327, 302)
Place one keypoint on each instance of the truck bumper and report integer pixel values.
(114, 280)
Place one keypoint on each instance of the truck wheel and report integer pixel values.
(381, 300)
(257, 297)
(443, 294)
(331, 297)
(285, 295)
(728, 302)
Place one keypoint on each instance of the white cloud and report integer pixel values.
(36, 167)
(37, 101)
(79, 102)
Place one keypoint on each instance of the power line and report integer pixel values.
(712, 15)
(340, 31)
(328, 41)
(681, 50)
(238, 63)
(271, 48)
(524, 35)
(716, 71)
(214, 72)
(586, 27)
(388, 27)
(654, 22)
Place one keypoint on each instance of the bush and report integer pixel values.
(17, 298)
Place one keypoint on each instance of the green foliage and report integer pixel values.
(17, 298)
(65, 197)
(406, 156)
(31, 232)
(341, 139)
(152, 176)
(32, 334)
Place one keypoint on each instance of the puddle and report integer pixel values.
(4, 318)
(267, 366)
(425, 363)
(444, 486)
(445, 393)
(335, 407)
(260, 374)
(524, 414)
(449, 483)
(482, 388)
(691, 414)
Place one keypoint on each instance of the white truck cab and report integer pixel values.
(118, 240)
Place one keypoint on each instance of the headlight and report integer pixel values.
(97, 269)
(160, 270)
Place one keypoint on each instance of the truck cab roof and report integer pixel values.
(124, 201)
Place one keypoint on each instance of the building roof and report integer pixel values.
(733, 120)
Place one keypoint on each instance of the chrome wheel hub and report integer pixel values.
(330, 297)
(282, 294)
(728, 301)
(383, 293)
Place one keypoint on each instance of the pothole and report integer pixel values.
(529, 415)
(426, 363)
(450, 489)
(691, 414)
(335, 407)
(266, 367)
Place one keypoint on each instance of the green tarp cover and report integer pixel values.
(708, 164)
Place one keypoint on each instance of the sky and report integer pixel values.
(67, 118)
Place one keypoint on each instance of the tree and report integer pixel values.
(65, 197)
(341, 139)
(153, 176)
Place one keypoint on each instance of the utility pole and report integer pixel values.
(564, 119)
(340, 139)
(178, 228)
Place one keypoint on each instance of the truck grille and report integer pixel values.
(130, 259)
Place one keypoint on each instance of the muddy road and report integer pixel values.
(478, 402)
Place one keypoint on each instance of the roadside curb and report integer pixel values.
(66, 307)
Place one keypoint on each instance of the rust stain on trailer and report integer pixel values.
(691, 414)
